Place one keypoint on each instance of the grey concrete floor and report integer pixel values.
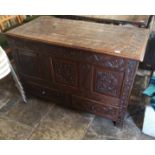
(39, 119)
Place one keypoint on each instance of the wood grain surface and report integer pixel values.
(126, 42)
(141, 19)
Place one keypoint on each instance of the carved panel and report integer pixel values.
(107, 82)
(28, 61)
(94, 107)
(65, 72)
(108, 61)
(87, 57)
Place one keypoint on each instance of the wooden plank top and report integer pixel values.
(127, 42)
(139, 20)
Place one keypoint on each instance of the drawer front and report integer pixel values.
(46, 93)
(95, 107)
(80, 103)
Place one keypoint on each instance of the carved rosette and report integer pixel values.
(106, 82)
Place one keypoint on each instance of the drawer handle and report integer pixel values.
(43, 92)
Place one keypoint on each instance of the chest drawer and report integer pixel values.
(46, 93)
(95, 107)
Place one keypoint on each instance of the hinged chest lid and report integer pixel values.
(126, 42)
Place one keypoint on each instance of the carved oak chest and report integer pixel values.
(84, 65)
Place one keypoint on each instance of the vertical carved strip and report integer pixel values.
(129, 79)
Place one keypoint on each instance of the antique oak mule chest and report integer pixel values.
(85, 65)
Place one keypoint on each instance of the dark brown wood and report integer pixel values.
(74, 72)
(149, 59)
